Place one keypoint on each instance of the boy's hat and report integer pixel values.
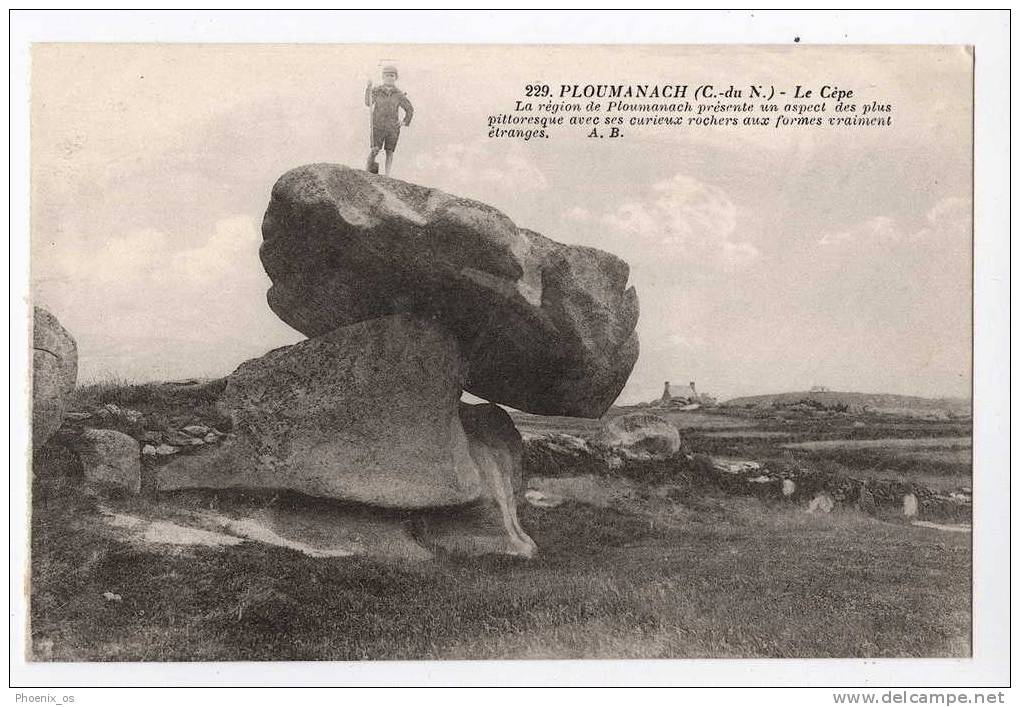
(390, 69)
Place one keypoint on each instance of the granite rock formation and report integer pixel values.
(370, 414)
(543, 327)
(110, 460)
(409, 297)
(54, 374)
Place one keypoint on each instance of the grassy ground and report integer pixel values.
(718, 577)
(697, 575)
(166, 406)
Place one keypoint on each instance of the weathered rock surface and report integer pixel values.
(641, 435)
(821, 503)
(543, 327)
(54, 373)
(560, 454)
(109, 459)
(315, 528)
(366, 413)
(910, 505)
(490, 525)
(370, 413)
(788, 487)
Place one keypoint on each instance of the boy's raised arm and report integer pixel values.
(408, 109)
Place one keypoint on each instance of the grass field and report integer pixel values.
(721, 577)
(934, 453)
(694, 574)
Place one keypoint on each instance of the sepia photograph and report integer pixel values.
(406, 351)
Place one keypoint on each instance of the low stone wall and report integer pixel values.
(560, 455)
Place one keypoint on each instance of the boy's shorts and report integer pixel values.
(385, 136)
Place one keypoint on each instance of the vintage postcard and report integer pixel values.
(433, 352)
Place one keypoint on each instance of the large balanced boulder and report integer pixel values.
(543, 327)
(54, 373)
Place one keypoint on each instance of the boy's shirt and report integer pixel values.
(386, 100)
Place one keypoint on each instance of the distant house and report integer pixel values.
(819, 389)
(688, 396)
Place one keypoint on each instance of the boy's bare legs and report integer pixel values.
(389, 161)
(371, 158)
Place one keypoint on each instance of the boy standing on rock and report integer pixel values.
(385, 102)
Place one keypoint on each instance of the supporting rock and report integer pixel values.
(490, 525)
(370, 413)
(366, 413)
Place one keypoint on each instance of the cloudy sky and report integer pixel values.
(765, 260)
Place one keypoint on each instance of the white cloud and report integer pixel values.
(687, 218)
(203, 308)
(577, 213)
(484, 170)
(949, 217)
(126, 269)
(686, 341)
(878, 228)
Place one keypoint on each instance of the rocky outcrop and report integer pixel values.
(110, 460)
(563, 454)
(410, 296)
(314, 527)
(54, 373)
(367, 413)
(542, 327)
(641, 435)
(370, 414)
(822, 502)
